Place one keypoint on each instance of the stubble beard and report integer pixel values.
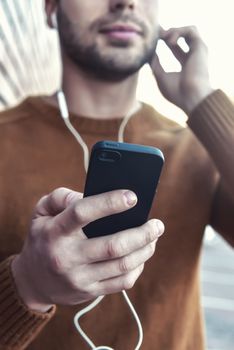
(113, 66)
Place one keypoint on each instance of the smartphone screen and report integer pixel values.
(115, 165)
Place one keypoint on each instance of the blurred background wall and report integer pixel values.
(29, 61)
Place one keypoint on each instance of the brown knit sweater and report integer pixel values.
(38, 154)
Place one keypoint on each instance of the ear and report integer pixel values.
(50, 9)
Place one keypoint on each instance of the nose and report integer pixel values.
(122, 4)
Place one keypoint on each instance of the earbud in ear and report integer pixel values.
(54, 20)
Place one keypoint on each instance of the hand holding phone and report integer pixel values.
(58, 265)
(115, 165)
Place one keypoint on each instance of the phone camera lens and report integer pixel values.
(104, 155)
(109, 156)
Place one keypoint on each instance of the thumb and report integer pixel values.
(56, 202)
(157, 68)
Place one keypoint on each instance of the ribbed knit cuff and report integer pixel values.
(18, 324)
(212, 121)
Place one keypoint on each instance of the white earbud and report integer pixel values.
(54, 20)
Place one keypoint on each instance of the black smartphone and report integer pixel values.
(118, 165)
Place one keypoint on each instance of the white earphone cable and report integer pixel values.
(65, 115)
(92, 306)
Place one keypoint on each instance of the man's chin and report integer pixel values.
(110, 73)
(127, 58)
(110, 63)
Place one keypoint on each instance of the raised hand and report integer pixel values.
(191, 85)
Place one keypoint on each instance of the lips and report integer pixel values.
(121, 31)
(121, 28)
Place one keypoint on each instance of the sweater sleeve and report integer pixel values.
(213, 123)
(18, 324)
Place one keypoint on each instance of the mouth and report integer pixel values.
(121, 32)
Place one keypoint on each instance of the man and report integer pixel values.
(104, 44)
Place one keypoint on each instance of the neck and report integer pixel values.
(88, 96)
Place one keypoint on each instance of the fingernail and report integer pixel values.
(160, 227)
(130, 197)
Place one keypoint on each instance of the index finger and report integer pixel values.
(92, 208)
(189, 33)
